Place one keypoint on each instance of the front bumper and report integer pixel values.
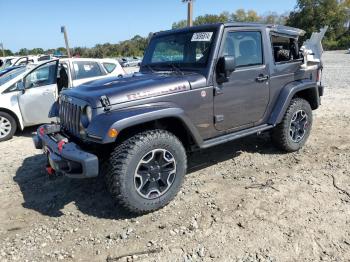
(65, 157)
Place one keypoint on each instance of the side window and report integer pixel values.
(285, 49)
(246, 47)
(109, 67)
(44, 75)
(86, 69)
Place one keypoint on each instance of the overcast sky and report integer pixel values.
(36, 23)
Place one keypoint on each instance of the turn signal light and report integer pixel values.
(112, 133)
(319, 74)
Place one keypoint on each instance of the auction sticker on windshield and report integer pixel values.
(202, 37)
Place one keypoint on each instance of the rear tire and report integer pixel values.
(145, 172)
(292, 133)
(8, 126)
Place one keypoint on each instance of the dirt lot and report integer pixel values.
(299, 214)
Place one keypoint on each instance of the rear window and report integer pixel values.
(86, 69)
(285, 49)
(109, 67)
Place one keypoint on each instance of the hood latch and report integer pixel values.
(105, 103)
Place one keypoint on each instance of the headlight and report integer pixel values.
(86, 116)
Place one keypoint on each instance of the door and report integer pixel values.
(40, 92)
(242, 101)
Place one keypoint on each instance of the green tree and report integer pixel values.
(23, 51)
(179, 24)
(36, 51)
(311, 15)
(211, 19)
(7, 52)
(252, 16)
(239, 16)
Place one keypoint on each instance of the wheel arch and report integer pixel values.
(13, 114)
(173, 124)
(133, 120)
(311, 95)
(305, 89)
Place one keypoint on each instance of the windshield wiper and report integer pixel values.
(150, 68)
(176, 68)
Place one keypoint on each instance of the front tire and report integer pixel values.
(145, 172)
(8, 126)
(292, 133)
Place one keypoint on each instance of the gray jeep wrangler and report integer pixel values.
(197, 87)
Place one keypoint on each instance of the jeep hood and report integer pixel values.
(134, 87)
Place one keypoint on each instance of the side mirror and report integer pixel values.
(225, 66)
(20, 86)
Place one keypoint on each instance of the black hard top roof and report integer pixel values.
(279, 29)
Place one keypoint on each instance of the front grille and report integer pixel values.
(70, 117)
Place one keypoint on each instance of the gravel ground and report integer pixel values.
(242, 201)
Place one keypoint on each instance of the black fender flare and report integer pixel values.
(129, 117)
(286, 95)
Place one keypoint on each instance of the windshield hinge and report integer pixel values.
(218, 91)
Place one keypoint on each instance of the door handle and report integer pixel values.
(47, 92)
(262, 78)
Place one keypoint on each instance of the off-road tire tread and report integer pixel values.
(114, 168)
(279, 137)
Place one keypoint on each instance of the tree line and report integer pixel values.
(309, 15)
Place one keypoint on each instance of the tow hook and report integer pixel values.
(50, 171)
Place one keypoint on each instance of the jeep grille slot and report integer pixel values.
(70, 117)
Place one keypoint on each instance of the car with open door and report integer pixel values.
(26, 98)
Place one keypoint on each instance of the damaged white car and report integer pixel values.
(26, 99)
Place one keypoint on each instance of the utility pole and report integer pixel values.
(2, 48)
(189, 12)
(64, 31)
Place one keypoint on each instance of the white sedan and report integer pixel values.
(26, 99)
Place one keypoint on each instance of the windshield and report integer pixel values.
(11, 75)
(184, 50)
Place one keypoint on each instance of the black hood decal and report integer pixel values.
(135, 87)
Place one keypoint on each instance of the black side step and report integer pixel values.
(233, 136)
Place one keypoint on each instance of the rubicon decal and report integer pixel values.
(150, 93)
